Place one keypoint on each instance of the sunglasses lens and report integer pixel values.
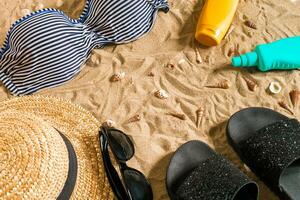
(137, 184)
(121, 145)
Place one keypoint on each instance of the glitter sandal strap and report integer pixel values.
(216, 178)
(272, 149)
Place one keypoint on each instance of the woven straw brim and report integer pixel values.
(33, 121)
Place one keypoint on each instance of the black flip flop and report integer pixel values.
(196, 172)
(269, 143)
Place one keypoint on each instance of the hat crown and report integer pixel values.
(33, 157)
(76, 127)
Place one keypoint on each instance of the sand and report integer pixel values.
(157, 134)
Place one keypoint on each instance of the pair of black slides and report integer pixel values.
(265, 140)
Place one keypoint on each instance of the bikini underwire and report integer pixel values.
(47, 48)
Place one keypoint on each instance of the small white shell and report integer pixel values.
(25, 12)
(161, 94)
(247, 168)
(39, 6)
(59, 3)
(109, 123)
(275, 87)
(200, 114)
(198, 56)
(181, 61)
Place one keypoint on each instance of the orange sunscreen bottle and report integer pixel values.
(214, 21)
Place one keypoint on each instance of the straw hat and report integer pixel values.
(49, 149)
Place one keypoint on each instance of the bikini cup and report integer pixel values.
(47, 48)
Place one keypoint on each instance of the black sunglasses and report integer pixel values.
(134, 185)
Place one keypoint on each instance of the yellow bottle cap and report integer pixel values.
(208, 36)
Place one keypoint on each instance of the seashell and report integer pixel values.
(285, 106)
(117, 77)
(294, 96)
(59, 3)
(247, 168)
(181, 61)
(230, 30)
(231, 51)
(224, 84)
(135, 118)
(109, 123)
(95, 60)
(250, 83)
(198, 56)
(250, 24)
(39, 6)
(177, 115)
(274, 87)
(200, 114)
(151, 74)
(170, 66)
(25, 12)
(161, 94)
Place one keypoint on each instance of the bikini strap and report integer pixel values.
(160, 4)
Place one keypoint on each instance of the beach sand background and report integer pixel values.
(157, 134)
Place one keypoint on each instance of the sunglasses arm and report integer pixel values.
(111, 173)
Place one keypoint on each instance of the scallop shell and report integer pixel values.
(200, 114)
(224, 84)
(285, 106)
(117, 77)
(177, 115)
(161, 94)
(252, 85)
(59, 3)
(135, 118)
(275, 87)
(294, 96)
(109, 123)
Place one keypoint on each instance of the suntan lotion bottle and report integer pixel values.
(214, 21)
(282, 54)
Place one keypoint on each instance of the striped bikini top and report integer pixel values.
(47, 48)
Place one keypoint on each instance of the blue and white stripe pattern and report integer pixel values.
(47, 48)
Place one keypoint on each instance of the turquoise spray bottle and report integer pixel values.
(282, 54)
